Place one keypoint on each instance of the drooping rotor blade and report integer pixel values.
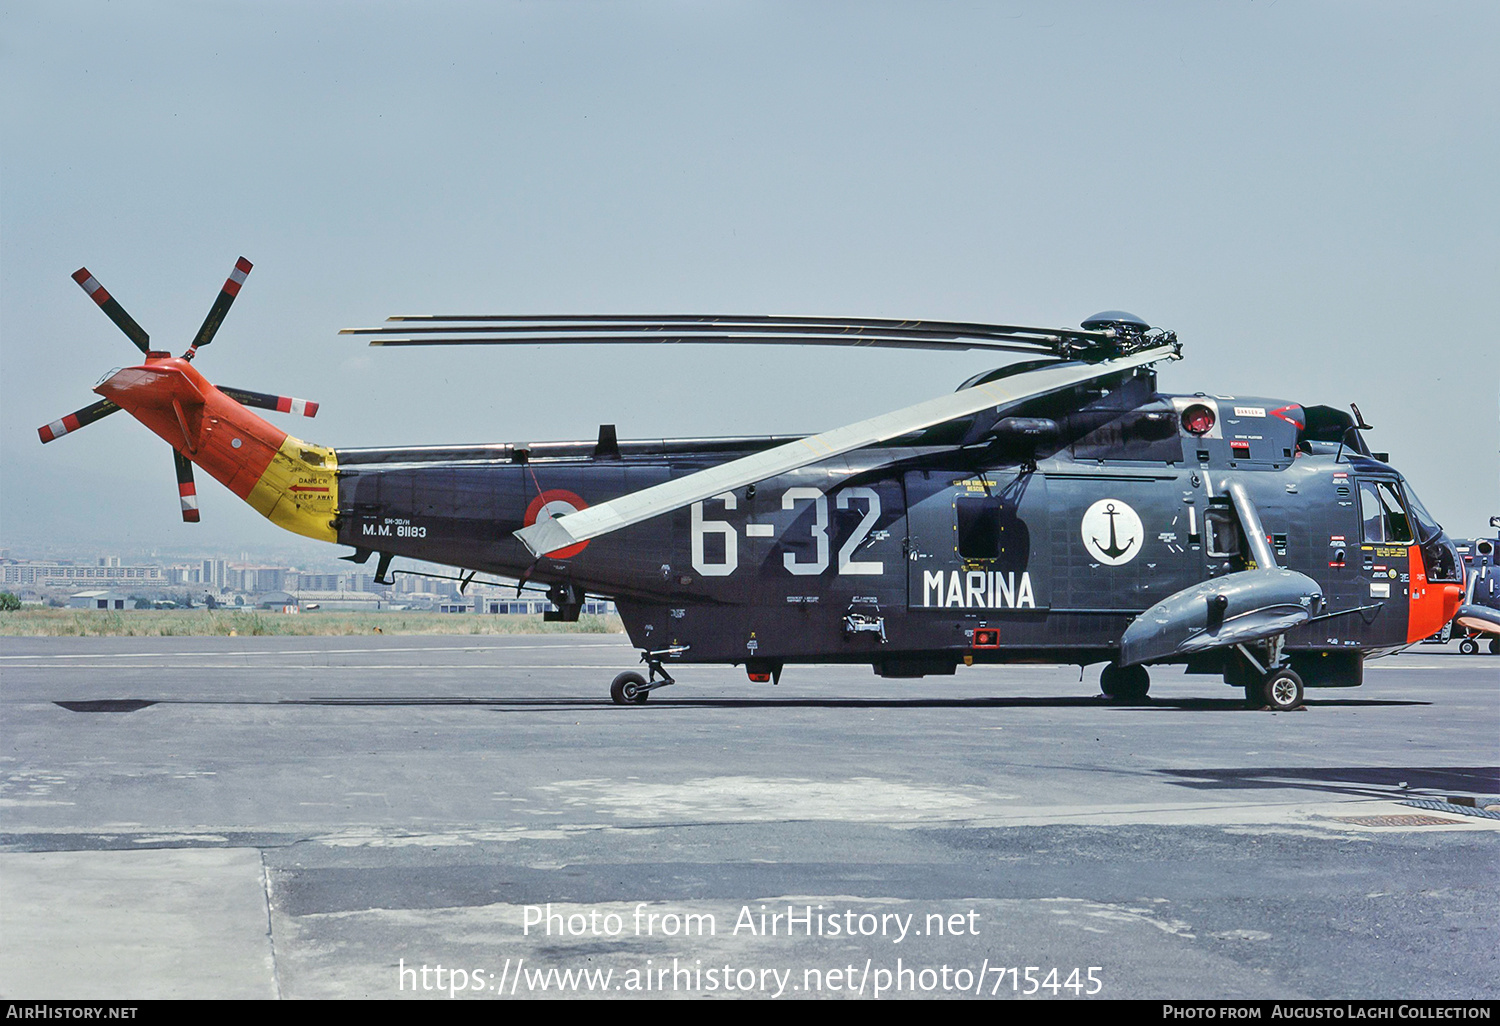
(112, 309)
(187, 492)
(758, 329)
(74, 421)
(962, 327)
(551, 535)
(263, 401)
(221, 305)
(756, 338)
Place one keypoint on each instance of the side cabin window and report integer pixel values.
(978, 528)
(1385, 518)
(1221, 533)
(990, 530)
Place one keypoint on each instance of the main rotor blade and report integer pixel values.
(221, 305)
(187, 492)
(263, 401)
(757, 338)
(112, 309)
(962, 327)
(551, 535)
(763, 329)
(73, 421)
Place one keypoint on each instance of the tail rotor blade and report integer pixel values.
(112, 309)
(187, 493)
(73, 421)
(221, 305)
(262, 401)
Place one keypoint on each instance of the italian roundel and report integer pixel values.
(553, 503)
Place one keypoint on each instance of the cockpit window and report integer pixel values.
(1385, 517)
(1439, 557)
(1426, 525)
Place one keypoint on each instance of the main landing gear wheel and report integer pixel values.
(1281, 690)
(1495, 646)
(629, 688)
(1125, 683)
(1469, 646)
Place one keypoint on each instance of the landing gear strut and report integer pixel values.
(1270, 685)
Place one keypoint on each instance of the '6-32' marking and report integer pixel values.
(792, 499)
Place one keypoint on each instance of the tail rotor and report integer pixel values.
(186, 490)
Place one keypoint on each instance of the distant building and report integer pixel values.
(97, 600)
(63, 575)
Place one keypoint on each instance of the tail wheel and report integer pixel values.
(629, 688)
(1469, 646)
(1281, 690)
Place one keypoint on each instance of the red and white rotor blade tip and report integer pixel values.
(112, 309)
(73, 421)
(221, 305)
(265, 401)
(187, 492)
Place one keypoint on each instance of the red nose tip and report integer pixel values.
(1453, 597)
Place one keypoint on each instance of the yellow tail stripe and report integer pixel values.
(299, 490)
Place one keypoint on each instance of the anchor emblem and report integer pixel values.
(1113, 550)
(1114, 520)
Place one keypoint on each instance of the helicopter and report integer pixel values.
(1479, 616)
(1059, 509)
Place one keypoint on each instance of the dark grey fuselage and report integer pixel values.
(914, 557)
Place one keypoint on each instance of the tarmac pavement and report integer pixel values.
(338, 817)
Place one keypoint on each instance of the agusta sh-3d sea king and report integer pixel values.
(1055, 510)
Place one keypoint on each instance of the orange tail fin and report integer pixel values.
(292, 483)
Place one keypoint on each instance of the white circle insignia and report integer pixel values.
(554, 509)
(1112, 532)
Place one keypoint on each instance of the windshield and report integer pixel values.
(1385, 518)
(1427, 527)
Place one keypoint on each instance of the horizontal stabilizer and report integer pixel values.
(1236, 609)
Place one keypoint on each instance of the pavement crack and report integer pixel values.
(265, 877)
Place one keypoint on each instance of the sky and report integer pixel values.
(1305, 192)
